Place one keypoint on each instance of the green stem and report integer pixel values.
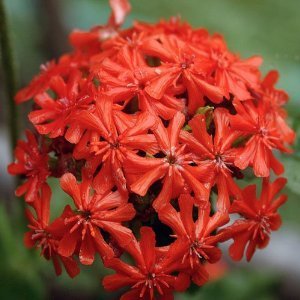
(9, 75)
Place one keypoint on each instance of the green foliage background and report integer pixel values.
(270, 28)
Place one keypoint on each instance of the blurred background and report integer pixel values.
(39, 31)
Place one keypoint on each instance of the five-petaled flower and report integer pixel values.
(215, 155)
(152, 277)
(173, 166)
(260, 126)
(46, 236)
(93, 212)
(31, 162)
(260, 218)
(197, 242)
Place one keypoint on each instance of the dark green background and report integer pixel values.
(270, 28)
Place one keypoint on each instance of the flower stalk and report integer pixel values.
(8, 74)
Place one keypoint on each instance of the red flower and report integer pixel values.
(173, 168)
(276, 99)
(32, 162)
(214, 154)
(260, 218)
(196, 237)
(56, 115)
(128, 77)
(184, 65)
(260, 125)
(111, 135)
(41, 234)
(40, 83)
(95, 211)
(152, 277)
(232, 75)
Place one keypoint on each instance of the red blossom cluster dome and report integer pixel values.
(149, 130)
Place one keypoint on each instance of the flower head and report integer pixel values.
(150, 129)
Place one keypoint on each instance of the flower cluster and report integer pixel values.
(149, 130)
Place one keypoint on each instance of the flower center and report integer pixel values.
(196, 252)
(86, 215)
(187, 62)
(265, 224)
(263, 131)
(151, 283)
(197, 248)
(171, 159)
(114, 145)
(42, 238)
(221, 163)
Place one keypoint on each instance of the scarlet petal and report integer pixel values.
(68, 243)
(69, 184)
(169, 216)
(56, 265)
(28, 241)
(116, 281)
(201, 192)
(74, 133)
(87, 251)
(142, 185)
(278, 202)
(275, 222)
(147, 244)
(123, 268)
(214, 254)
(212, 92)
(123, 213)
(102, 247)
(250, 249)
(182, 282)
(165, 194)
(175, 128)
(45, 205)
(276, 165)
(200, 276)
(15, 169)
(103, 181)
(165, 79)
(133, 294)
(186, 204)
(122, 234)
(70, 266)
(271, 78)
(110, 201)
(261, 164)
(236, 250)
